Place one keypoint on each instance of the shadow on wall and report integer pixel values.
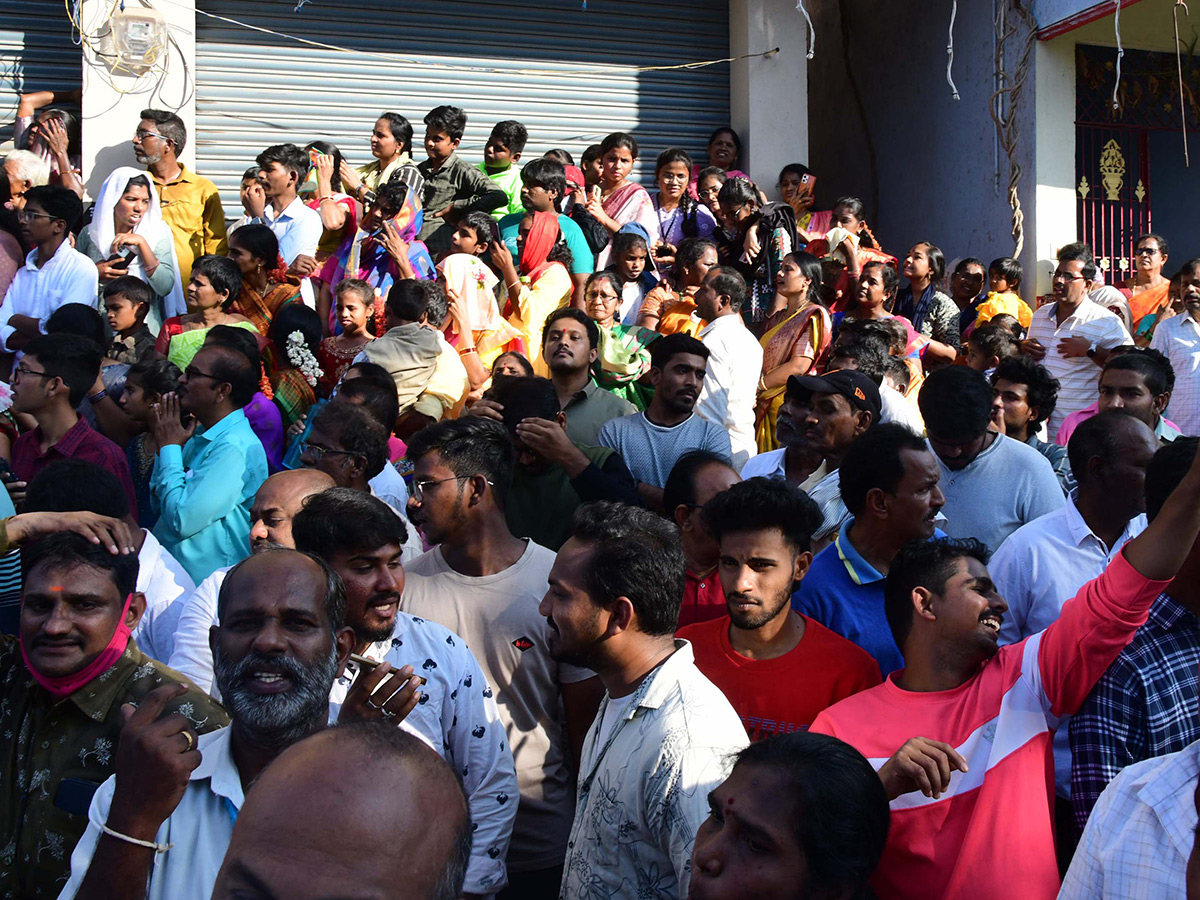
(110, 158)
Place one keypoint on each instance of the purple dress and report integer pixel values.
(267, 423)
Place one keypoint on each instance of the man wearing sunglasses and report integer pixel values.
(207, 469)
(54, 272)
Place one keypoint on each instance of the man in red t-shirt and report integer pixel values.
(779, 669)
(695, 479)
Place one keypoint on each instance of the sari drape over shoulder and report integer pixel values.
(804, 333)
(623, 360)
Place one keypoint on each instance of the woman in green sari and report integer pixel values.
(624, 357)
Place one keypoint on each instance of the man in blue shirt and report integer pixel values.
(206, 473)
(890, 486)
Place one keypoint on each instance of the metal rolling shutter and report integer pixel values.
(36, 53)
(254, 89)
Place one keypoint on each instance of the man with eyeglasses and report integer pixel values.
(190, 202)
(54, 272)
(207, 469)
(1072, 336)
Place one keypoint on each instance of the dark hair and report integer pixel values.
(169, 126)
(619, 139)
(343, 519)
(578, 315)
(437, 305)
(725, 129)
(739, 191)
(608, 275)
(1163, 247)
(138, 181)
(927, 564)
(73, 485)
(956, 403)
(74, 359)
(691, 249)
(591, 153)
(133, 289)
(869, 352)
(711, 172)
(65, 548)
(358, 287)
(876, 460)
(1041, 388)
(842, 815)
(289, 156)
(891, 283)
(372, 373)
(561, 156)
(407, 300)
(470, 446)
(1097, 436)
(937, 260)
(391, 196)
(234, 338)
(888, 332)
(1008, 269)
(522, 361)
(900, 373)
(401, 129)
(1079, 252)
(232, 366)
(637, 555)
(379, 400)
(328, 149)
(672, 345)
(157, 376)
(672, 155)
(524, 398)
(294, 317)
(335, 589)
(680, 487)
(358, 432)
(995, 340)
(448, 119)
(728, 281)
(1012, 323)
(82, 319)
(797, 169)
(760, 504)
(1165, 472)
(547, 174)
(511, 133)
(967, 261)
(58, 201)
(626, 242)
(251, 174)
(222, 273)
(259, 241)
(810, 268)
(1156, 370)
(482, 224)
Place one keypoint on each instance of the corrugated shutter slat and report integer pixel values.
(36, 54)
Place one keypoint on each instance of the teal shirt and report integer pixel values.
(202, 493)
(582, 260)
(508, 181)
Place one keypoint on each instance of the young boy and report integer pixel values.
(252, 197)
(988, 345)
(127, 302)
(452, 187)
(298, 228)
(1004, 279)
(475, 235)
(500, 158)
(633, 267)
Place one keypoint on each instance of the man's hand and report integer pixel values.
(303, 265)
(1074, 347)
(489, 409)
(166, 424)
(156, 755)
(1033, 348)
(113, 534)
(921, 765)
(549, 440)
(381, 695)
(16, 493)
(255, 200)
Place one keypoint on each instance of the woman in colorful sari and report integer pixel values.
(384, 250)
(724, 149)
(322, 191)
(754, 239)
(671, 309)
(540, 284)
(624, 352)
(1148, 291)
(794, 339)
(215, 284)
(295, 336)
(266, 285)
(620, 201)
(469, 279)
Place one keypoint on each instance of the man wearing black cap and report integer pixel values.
(992, 486)
(844, 403)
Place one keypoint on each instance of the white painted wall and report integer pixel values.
(112, 103)
(1055, 221)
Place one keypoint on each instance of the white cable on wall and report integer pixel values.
(812, 32)
(950, 51)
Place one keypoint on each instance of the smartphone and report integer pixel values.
(121, 260)
(370, 665)
(74, 795)
(7, 476)
(662, 250)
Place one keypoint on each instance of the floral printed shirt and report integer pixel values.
(43, 743)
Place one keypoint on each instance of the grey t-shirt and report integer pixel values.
(651, 451)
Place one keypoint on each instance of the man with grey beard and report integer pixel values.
(280, 643)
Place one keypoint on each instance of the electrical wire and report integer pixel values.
(1120, 53)
(950, 51)
(1179, 63)
(812, 32)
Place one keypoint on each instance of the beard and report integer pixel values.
(753, 619)
(279, 718)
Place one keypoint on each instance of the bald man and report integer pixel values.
(276, 503)
(379, 810)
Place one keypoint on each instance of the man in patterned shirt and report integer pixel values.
(61, 708)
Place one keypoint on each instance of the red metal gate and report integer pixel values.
(1112, 165)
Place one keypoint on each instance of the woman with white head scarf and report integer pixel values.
(127, 221)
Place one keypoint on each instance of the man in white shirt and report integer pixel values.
(275, 505)
(54, 272)
(1179, 339)
(158, 829)
(298, 228)
(734, 362)
(1072, 336)
(665, 735)
(453, 709)
(485, 584)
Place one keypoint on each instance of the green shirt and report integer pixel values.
(47, 741)
(508, 181)
(590, 408)
(541, 507)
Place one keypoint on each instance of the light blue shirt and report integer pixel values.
(297, 228)
(202, 494)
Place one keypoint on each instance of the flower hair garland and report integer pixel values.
(301, 357)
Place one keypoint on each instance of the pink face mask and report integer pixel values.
(65, 685)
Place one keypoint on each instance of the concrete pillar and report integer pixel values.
(112, 102)
(769, 96)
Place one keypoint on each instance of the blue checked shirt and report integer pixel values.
(1146, 705)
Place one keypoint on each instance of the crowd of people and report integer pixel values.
(506, 529)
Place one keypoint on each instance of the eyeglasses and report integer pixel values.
(192, 372)
(23, 372)
(675, 176)
(1145, 251)
(142, 134)
(419, 486)
(26, 216)
(318, 452)
(1064, 276)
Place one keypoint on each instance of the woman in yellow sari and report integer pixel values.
(795, 337)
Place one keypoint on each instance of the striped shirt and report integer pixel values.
(1079, 376)
(1179, 338)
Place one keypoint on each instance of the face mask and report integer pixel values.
(65, 685)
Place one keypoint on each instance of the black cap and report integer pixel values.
(856, 387)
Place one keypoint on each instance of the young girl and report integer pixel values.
(295, 336)
(624, 357)
(145, 384)
(931, 312)
(851, 244)
(754, 239)
(680, 216)
(1004, 279)
(708, 188)
(633, 268)
(355, 305)
(796, 186)
(127, 301)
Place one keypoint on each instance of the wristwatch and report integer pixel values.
(1091, 351)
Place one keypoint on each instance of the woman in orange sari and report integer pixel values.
(1148, 290)
(793, 339)
(266, 284)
